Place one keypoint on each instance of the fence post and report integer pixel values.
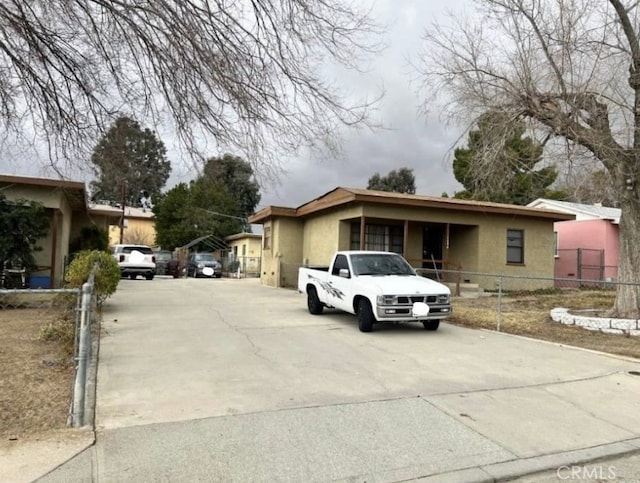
(83, 356)
(499, 284)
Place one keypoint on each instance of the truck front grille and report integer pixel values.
(410, 299)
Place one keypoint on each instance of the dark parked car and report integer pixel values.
(163, 257)
(203, 265)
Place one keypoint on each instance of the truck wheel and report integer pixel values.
(431, 324)
(313, 302)
(133, 276)
(365, 316)
(149, 276)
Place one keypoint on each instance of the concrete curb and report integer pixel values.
(509, 470)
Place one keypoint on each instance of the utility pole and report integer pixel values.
(123, 197)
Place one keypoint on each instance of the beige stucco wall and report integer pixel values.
(249, 253)
(53, 199)
(137, 230)
(280, 263)
(539, 258)
(463, 248)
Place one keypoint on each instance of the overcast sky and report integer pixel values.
(407, 140)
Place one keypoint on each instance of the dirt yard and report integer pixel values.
(528, 315)
(35, 376)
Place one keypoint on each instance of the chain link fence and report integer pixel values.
(241, 266)
(69, 316)
(492, 300)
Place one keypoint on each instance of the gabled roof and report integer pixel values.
(342, 196)
(595, 212)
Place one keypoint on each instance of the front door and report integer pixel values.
(432, 241)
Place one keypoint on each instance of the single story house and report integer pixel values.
(430, 232)
(587, 248)
(246, 249)
(66, 203)
(139, 226)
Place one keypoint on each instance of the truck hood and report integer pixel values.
(404, 285)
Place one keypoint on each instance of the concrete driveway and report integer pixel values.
(227, 380)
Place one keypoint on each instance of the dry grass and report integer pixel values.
(528, 315)
(35, 375)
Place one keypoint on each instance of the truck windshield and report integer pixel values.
(380, 264)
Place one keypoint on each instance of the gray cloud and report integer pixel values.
(407, 139)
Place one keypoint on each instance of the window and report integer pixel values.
(515, 246)
(555, 244)
(341, 262)
(355, 236)
(266, 238)
(385, 238)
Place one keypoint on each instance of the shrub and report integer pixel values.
(62, 332)
(107, 273)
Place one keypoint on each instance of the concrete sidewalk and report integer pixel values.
(226, 380)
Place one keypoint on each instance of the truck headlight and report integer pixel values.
(443, 299)
(386, 299)
(200, 265)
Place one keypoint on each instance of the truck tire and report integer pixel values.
(365, 316)
(431, 324)
(313, 302)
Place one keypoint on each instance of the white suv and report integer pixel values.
(135, 260)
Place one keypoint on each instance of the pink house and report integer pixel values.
(587, 247)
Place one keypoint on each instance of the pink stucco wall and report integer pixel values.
(587, 235)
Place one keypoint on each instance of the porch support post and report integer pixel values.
(362, 225)
(405, 238)
(54, 245)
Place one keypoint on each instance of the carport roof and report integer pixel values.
(342, 196)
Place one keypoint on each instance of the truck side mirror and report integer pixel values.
(344, 272)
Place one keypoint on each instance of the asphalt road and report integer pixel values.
(227, 380)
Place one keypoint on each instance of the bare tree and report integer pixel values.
(569, 67)
(138, 236)
(244, 75)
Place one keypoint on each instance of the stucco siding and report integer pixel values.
(280, 262)
(54, 200)
(137, 230)
(464, 247)
(590, 237)
(538, 251)
(414, 245)
(48, 197)
(321, 237)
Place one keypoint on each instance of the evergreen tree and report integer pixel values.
(521, 183)
(129, 163)
(398, 181)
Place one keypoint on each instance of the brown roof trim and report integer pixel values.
(341, 196)
(61, 184)
(32, 180)
(271, 211)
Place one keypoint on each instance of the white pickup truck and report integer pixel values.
(377, 287)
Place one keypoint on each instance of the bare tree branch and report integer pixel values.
(569, 67)
(243, 75)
